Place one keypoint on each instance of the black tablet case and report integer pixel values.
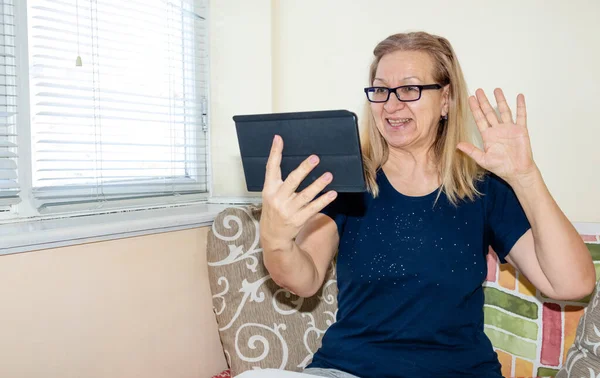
(332, 135)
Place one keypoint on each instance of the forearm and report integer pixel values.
(561, 253)
(292, 268)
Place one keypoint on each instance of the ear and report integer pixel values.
(445, 100)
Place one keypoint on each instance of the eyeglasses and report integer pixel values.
(404, 93)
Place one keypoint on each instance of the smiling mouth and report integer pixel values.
(398, 122)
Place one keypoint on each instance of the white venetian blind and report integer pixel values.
(118, 99)
(9, 187)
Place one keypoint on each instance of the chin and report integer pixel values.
(399, 138)
(397, 141)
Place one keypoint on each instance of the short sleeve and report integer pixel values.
(506, 220)
(338, 211)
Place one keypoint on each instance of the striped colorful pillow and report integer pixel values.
(531, 333)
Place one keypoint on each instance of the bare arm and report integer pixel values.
(302, 268)
(551, 255)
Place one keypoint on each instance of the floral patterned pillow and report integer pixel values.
(261, 325)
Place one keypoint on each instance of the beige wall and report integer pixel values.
(270, 56)
(138, 307)
(240, 66)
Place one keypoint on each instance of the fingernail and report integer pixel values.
(327, 177)
(314, 159)
(275, 138)
(332, 194)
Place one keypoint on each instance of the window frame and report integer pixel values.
(29, 209)
(26, 229)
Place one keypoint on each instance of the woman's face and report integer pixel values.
(408, 125)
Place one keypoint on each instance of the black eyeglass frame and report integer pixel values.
(394, 91)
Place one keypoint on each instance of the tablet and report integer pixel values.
(332, 135)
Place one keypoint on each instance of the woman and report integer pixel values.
(412, 252)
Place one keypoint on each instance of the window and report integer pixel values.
(116, 94)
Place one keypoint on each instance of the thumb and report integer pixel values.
(473, 152)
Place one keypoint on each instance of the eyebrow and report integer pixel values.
(406, 78)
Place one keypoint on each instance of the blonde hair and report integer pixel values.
(458, 172)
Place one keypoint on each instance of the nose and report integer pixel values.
(393, 104)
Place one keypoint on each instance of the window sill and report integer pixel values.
(39, 234)
(32, 235)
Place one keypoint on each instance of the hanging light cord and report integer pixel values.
(78, 61)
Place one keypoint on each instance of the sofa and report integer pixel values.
(262, 325)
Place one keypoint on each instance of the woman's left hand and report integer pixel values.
(507, 148)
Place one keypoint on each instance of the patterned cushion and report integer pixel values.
(583, 358)
(261, 325)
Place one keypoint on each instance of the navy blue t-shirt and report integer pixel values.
(410, 273)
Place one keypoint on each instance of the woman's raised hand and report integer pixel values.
(506, 145)
(284, 211)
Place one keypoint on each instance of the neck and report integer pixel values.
(412, 172)
(406, 163)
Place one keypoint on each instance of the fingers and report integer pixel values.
(273, 170)
(505, 113)
(474, 152)
(315, 206)
(490, 113)
(308, 194)
(482, 123)
(521, 111)
(296, 177)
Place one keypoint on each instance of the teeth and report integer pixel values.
(399, 121)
